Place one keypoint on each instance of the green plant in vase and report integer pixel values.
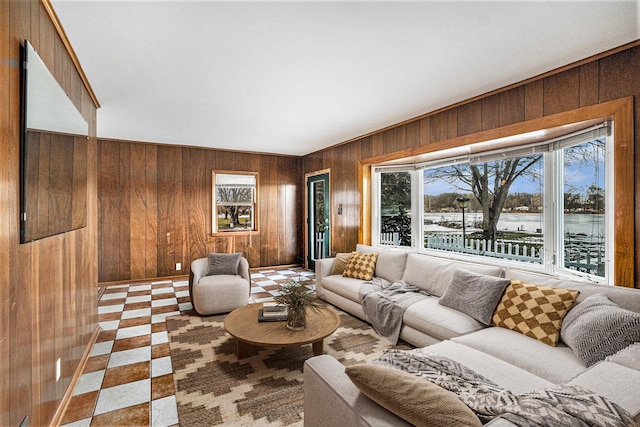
(297, 297)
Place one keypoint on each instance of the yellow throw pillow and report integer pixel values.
(361, 266)
(342, 259)
(411, 398)
(535, 311)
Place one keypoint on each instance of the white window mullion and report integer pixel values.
(375, 208)
(418, 211)
(609, 205)
(415, 212)
(550, 217)
(556, 226)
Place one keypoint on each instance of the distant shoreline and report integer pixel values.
(576, 224)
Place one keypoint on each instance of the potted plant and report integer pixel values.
(297, 297)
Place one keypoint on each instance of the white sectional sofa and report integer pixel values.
(510, 359)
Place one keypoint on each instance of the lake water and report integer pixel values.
(581, 224)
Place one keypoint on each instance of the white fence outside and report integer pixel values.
(584, 258)
(588, 258)
(390, 239)
(319, 245)
(500, 249)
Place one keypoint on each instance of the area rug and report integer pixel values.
(213, 387)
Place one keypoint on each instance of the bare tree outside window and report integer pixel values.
(488, 183)
(505, 215)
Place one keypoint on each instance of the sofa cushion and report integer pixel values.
(500, 372)
(223, 264)
(556, 364)
(361, 266)
(390, 265)
(366, 249)
(220, 293)
(533, 310)
(629, 357)
(434, 274)
(474, 294)
(344, 286)
(615, 382)
(439, 321)
(340, 263)
(597, 328)
(411, 397)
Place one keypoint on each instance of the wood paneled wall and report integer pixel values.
(155, 209)
(48, 288)
(602, 79)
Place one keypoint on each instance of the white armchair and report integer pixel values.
(218, 293)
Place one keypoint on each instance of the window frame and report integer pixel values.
(618, 111)
(552, 153)
(214, 205)
(416, 200)
(609, 200)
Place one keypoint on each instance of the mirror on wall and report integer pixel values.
(53, 155)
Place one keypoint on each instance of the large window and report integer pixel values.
(234, 201)
(547, 205)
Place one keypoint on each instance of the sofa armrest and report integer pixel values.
(243, 270)
(199, 268)
(331, 399)
(324, 268)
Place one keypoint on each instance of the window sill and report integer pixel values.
(242, 232)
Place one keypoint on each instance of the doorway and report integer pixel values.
(318, 218)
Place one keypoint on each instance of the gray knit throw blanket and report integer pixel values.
(560, 406)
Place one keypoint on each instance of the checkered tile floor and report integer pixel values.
(128, 379)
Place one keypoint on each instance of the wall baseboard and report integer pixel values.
(68, 394)
(149, 279)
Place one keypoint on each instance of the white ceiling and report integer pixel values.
(295, 77)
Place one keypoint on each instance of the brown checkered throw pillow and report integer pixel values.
(535, 311)
(361, 266)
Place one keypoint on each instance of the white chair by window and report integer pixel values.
(219, 283)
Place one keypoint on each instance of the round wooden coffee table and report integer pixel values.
(243, 324)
